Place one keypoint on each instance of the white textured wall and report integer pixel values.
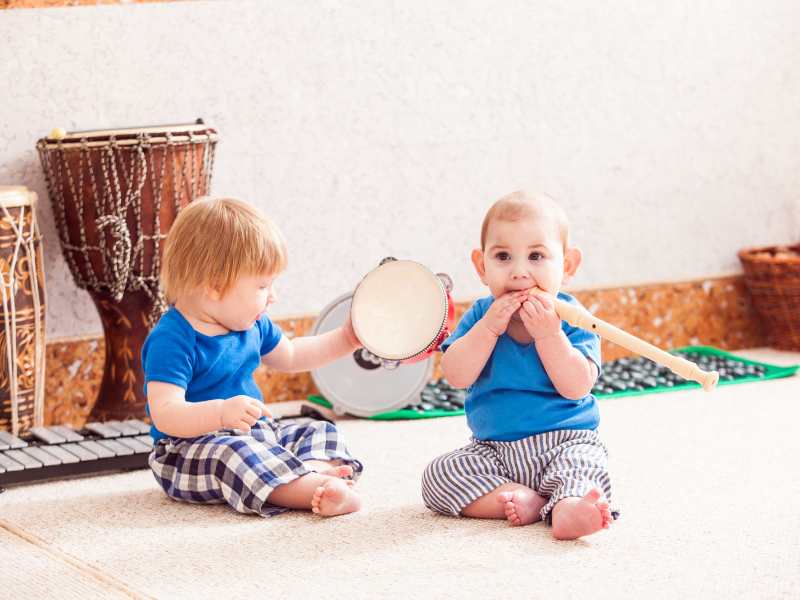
(670, 130)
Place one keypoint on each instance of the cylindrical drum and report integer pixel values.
(115, 194)
(23, 294)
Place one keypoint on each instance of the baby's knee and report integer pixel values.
(440, 490)
(439, 475)
(438, 468)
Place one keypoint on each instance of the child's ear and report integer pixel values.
(212, 293)
(572, 260)
(480, 267)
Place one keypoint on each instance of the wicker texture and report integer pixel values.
(772, 275)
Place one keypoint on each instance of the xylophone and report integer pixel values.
(59, 451)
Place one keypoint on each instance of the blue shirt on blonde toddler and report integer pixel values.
(207, 367)
(513, 397)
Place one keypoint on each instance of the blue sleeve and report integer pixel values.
(472, 316)
(586, 342)
(168, 356)
(270, 335)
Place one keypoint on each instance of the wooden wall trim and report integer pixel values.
(63, 3)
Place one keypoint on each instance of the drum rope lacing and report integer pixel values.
(121, 250)
(9, 284)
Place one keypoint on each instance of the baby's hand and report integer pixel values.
(350, 333)
(538, 314)
(499, 314)
(242, 412)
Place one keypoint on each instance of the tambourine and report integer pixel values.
(357, 384)
(402, 312)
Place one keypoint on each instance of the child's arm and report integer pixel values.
(312, 351)
(173, 415)
(572, 373)
(465, 358)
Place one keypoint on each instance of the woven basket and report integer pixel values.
(772, 275)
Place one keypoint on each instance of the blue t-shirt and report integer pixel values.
(513, 397)
(207, 367)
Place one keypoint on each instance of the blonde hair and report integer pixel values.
(214, 241)
(520, 204)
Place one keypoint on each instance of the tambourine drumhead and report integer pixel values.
(399, 309)
(129, 136)
(16, 195)
(365, 391)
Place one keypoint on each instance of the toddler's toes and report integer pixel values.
(511, 513)
(344, 471)
(605, 514)
(316, 499)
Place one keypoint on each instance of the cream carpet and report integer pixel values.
(709, 486)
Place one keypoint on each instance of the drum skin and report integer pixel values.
(402, 312)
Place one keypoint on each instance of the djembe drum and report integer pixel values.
(23, 294)
(115, 194)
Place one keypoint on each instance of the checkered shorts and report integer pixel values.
(556, 464)
(243, 469)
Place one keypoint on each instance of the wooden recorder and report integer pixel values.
(578, 316)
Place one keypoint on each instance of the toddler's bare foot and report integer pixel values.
(577, 517)
(521, 506)
(334, 497)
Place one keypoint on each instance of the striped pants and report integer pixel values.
(243, 469)
(556, 464)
